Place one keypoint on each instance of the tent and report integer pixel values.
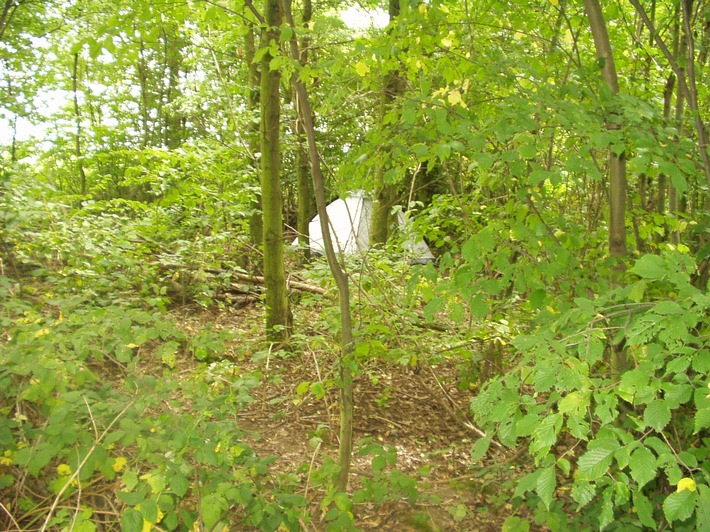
(350, 229)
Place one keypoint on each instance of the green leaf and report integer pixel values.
(595, 462)
(545, 435)
(679, 505)
(286, 33)
(516, 524)
(545, 485)
(479, 307)
(458, 512)
(480, 448)
(211, 511)
(606, 516)
(643, 466)
(179, 484)
(657, 414)
(702, 513)
(637, 291)
(149, 510)
(583, 493)
(132, 521)
(702, 419)
(527, 483)
(644, 510)
(650, 267)
(132, 498)
(574, 402)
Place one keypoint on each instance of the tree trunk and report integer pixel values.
(278, 315)
(385, 194)
(256, 227)
(617, 162)
(77, 117)
(686, 83)
(341, 279)
(306, 199)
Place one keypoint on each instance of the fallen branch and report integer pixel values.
(296, 285)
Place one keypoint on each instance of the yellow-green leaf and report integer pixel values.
(362, 69)
(686, 484)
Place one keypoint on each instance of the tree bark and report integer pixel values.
(278, 314)
(256, 227)
(385, 194)
(77, 117)
(686, 84)
(617, 162)
(341, 279)
(306, 199)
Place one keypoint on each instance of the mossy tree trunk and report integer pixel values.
(385, 194)
(278, 315)
(306, 198)
(256, 228)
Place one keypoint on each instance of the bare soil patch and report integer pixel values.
(419, 413)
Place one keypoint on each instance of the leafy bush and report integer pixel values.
(631, 444)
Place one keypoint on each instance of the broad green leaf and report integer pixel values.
(631, 382)
(286, 33)
(679, 505)
(643, 466)
(480, 448)
(606, 516)
(149, 510)
(458, 512)
(545, 485)
(595, 462)
(211, 510)
(650, 267)
(479, 307)
(545, 435)
(644, 510)
(132, 521)
(583, 492)
(179, 484)
(702, 513)
(637, 291)
(527, 483)
(702, 420)
(516, 524)
(657, 414)
(132, 498)
(574, 402)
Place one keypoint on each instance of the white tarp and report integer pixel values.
(350, 229)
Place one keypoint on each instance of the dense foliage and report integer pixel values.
(136, 197)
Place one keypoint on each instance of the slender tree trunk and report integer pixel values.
(617, 162)
(306, 198)
(686, 83)
(8, 8)
(77, 117)
(143, 80)
(256, 227)
(338, 272)
(278, 315)
(618, 361)
(385, 193)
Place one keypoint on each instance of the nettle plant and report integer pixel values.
(613, 450)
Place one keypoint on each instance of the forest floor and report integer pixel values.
(420, 413)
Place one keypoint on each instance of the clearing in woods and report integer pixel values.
(421, 414)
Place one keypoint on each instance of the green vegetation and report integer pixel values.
(168, 362)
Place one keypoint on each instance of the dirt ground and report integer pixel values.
(422, 414)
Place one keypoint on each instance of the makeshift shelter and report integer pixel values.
(350, 229)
